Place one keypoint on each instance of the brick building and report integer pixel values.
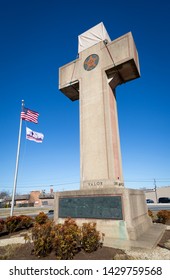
(35, 199)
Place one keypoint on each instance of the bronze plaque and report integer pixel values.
(91, 207)
(91, 62)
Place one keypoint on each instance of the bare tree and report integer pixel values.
(4, 194)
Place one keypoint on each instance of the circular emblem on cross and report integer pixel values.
(91, 62)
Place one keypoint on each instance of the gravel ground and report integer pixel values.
(157, 253)
(13, 240)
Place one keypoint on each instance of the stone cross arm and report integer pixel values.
(120, 57)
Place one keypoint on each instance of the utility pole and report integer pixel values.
(155, 189)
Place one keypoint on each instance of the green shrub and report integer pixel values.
(12, 223)
(15, 223)
(67, 240)
(26, 222)
(42, 236)
(163, 216)
(91, 238)
(41, 218)
(2, 225)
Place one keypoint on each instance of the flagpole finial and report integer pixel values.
(22, 104)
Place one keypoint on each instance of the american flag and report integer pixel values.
(29, 115)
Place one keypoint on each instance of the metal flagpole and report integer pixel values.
(16, 168)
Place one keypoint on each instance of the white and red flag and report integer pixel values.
(34, 136)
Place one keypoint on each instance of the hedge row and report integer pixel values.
(15, 223)
(162, 216)
(66, 239)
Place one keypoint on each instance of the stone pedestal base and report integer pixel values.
(120, 213)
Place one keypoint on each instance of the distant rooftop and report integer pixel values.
(46, 195)
(18, 197)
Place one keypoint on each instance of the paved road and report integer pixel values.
(158, 206)
(31, 211)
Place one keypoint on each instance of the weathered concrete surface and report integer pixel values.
(134, 230)
(93, 78)
(100, 155)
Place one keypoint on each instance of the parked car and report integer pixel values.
(51, 212)
(149, 201)
(164, 200)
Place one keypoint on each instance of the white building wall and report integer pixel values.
(161, 192)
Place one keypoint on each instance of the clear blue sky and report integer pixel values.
(36, 38)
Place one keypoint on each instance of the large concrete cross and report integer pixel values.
(92, 78)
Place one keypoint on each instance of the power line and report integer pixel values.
(76, 182)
